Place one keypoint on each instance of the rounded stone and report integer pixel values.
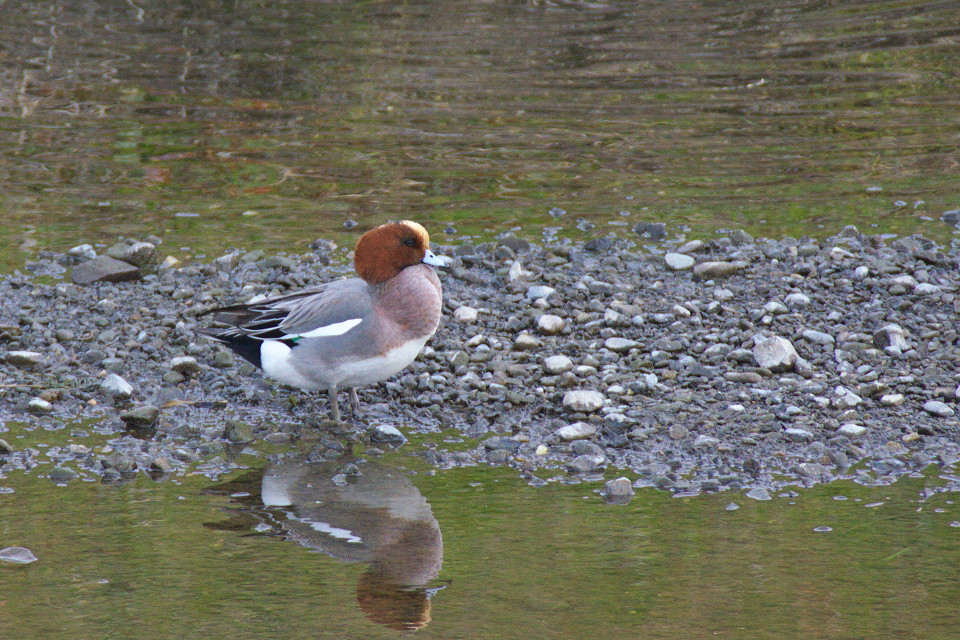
(679, 261)
(717, 269)
(185, 365)
(463, 313)
(851, 430)
(525, 342)
(583, 400)
(539, 291)
(39, 406)
(576, 431)
(555, 365)
(937, 408)
(550, 325)
(620, 345)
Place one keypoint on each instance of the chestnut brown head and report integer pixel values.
(385, 251)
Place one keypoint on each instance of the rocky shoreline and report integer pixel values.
(690, 366)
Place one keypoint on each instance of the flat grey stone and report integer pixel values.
(104, 269)
(25, 358)
(758, 493)
(717, 269)
(620, 345)
(937, 408)
(798, 435)
(851, 430)
(576, 431)
(39, 406)
(586, 462)
(139, 417)
(538, 291)
(818, 337)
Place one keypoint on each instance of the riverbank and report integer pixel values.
(689, 366)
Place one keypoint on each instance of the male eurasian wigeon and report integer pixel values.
(350, 332)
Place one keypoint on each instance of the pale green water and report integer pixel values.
(272, 124)
(170, 559)
(778, 118)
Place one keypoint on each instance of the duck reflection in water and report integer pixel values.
(371, 513)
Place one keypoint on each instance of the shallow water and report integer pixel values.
(265, 126)
(183, 558)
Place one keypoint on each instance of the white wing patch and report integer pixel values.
(335, 329)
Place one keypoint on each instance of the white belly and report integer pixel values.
(375, 369)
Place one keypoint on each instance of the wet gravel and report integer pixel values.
(692, 367)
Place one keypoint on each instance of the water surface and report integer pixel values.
(211, 124)
(491, 556)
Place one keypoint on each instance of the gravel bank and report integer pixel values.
(689, 366)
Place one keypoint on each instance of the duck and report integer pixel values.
(345, 333)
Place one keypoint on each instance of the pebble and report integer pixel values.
(104, 269)
(892, 399)
(774, 353)
(550, 325)
(387, 434)
(758, 493)
(116, 388)
(576, 431)
(717, 269)
(583, 401)
(618, 490)
(140, 417)
(691, 247)
(540, 291)
(526, 342)
(678, 261)
(937, 408)
(25, 358)
(39, 406)
(555, 365)
(851, 430)
(586, 463)
(185, 365)
(797, 301)
(798, 435)
(464, 313)
(818, 337)
(620, 345)
(83, 252)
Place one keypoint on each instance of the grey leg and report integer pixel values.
(334, 407)
(354, 400)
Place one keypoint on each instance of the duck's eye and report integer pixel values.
(410, 242)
